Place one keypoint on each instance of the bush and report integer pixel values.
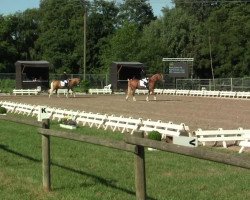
(7, 85)
(85, 86)
(2, 110)
(154, 135)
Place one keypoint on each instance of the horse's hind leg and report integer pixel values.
(50, 92)
(147, 98)
(67, 93)
(133, 94)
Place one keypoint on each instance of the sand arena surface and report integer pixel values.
(196, 112)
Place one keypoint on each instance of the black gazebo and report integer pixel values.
(120, 72)
(32, 74)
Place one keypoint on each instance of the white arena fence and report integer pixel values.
(221, 135)
(115, 123)
(129, 124)
(26, 91)
(208, 93)
(37, 91)
(107, 90)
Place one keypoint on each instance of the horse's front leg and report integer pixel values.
(57, 94)
(154, 95)
(128, 93)
(73, 92)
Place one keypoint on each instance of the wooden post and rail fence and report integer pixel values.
(132, 143)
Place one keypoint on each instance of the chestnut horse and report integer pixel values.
(134, 84)
(56, 84)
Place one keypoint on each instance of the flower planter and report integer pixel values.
(67, 126)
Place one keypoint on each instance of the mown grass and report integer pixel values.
(86, 171)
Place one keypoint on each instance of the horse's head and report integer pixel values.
(162, 77)
(78, 80)
(157, 77)
(74, 81)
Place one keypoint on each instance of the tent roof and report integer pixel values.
(40, 62)
(127, 63)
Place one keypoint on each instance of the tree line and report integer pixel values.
(216, 33)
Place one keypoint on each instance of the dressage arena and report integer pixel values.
(196, 112)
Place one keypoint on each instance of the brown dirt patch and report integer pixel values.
(195, 112)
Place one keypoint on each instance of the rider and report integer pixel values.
(144, 77)
(65, 78)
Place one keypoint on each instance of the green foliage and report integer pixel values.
(2, 110)
(85, 85)
(124, 45)
(154, 135)
(137, 12)
(7, 85)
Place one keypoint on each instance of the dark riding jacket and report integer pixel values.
(64, 77)
(143, 74)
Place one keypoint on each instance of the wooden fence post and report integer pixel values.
(140, 176)
(46, 157)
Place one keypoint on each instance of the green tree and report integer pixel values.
(122, 46)
(61, 34)
(27, 32)
(153, 47)
(102, 20)
(138, 12)
(200, 9)
(8, 51)
(229, 29)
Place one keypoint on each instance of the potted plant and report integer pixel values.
(154, 135)
(68, 123)
(3, 110)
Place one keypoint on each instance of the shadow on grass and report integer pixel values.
(108, 183)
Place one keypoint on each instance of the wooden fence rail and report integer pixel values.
(200, 153)
(132, 143)
(121, 145)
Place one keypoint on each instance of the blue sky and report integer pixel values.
(12, 6)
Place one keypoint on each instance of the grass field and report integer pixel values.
(85, 171)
